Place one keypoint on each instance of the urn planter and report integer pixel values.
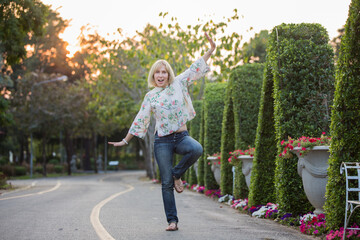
(215, 168)
(247, 161)
(196, 168)
(312, 168)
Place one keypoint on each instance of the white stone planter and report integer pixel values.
(215, 168)
(196, 168)
(247, 162)
(312, 167)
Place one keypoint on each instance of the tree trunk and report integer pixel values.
(69, 149)
(86, 159)
(44, 155)
(147, 147)
(94, 143)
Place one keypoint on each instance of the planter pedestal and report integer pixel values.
(312, 167)
(247, 162)
(215, 168)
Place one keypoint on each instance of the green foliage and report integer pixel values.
(239, 121)
(3, 179)
(19, 171)
(246, 100)
(227, 141)
(195, 128)
(19, 19)
(345, 119)
(58, 168)
(202, 159)
(303, 72)
(262, 188)
(213, 115)
(255, 50)
(227, 54)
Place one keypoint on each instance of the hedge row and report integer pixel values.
(345, 119)
(262, 188)
(303, 71)
(213, 112)
(195, 133)
(239, 122)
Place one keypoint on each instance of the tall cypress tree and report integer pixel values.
(345, 119)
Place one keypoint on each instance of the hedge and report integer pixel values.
(303, 72)
(195, 133)
(201, 161)
(262, 188)
(239, 122)
(345, 120)
(227, 142)
(213, 112)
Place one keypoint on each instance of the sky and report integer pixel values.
(133, 15)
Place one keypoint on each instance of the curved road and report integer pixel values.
(121, 205)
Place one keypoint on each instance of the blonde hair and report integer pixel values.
(155, 66)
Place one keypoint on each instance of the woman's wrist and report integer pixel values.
(125, 141)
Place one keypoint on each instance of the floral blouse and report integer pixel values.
(171, 105)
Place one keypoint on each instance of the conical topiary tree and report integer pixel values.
(213, 112)
(239, 124)
(345, 120)
(262, 188)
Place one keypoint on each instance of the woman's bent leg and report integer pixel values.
(164, 158)
(191, 151)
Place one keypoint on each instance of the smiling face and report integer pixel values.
(161, 77)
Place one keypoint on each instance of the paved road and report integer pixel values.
(121, 205)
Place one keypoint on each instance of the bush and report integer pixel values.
(38, 169)
(58, 168)
(213, 111)
(239, 121)
(8, 170)
(303, 71)
(2, 180)
(201, 164)
(345, 119)
(54, 161)
(195, 133)
(262, 188)
(19, 171)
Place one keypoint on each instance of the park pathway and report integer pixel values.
(121, 205)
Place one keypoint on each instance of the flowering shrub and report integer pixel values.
(226, 198)
(268, 211)
(197, 188)
(216, 155)
(239, 203)
(338, 234)
(213, 193)
(313, 224)
(305, 143)
(235, 154)
(289, 219)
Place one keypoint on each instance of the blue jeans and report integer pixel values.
(164, 149)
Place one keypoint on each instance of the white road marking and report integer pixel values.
(58, 184)
(95, 213)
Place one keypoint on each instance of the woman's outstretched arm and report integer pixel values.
(211, 50)
(123, 142)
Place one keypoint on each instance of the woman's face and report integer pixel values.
(161, 77)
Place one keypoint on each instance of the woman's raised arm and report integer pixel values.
(211, 50)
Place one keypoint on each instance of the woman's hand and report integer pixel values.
(211, 50)
(117, 144)
(212, 43)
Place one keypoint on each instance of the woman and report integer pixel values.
(171, 104)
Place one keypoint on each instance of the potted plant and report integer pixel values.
(313, 155)
(246, 157)
(215, 161)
